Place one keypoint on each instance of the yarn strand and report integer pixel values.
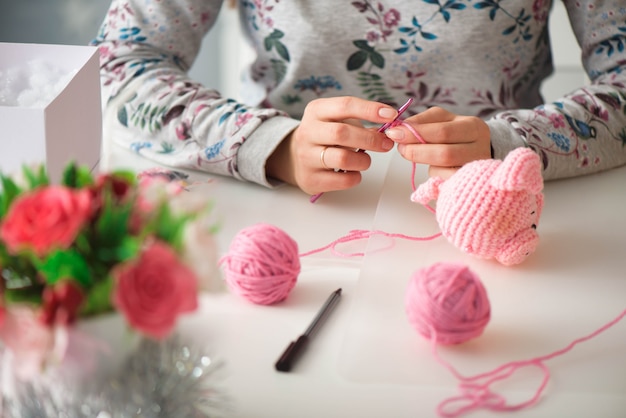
(480, 396)
(358, 234)
(413, 165)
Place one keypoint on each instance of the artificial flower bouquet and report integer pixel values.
(95, 244)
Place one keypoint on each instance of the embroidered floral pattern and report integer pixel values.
(383, 22)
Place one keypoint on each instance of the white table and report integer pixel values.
(366, 361)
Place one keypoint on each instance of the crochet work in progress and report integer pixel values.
(490, 208)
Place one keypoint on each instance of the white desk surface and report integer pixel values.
(366, 361)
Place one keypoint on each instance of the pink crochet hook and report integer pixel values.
(400, 112)
(381, 129)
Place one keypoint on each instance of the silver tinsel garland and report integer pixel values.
(163, 379)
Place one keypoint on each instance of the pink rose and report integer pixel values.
(45, 218)
(28, 339)
(153, 290)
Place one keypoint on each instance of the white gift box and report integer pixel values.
(68, 127)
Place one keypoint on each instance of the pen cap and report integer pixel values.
(291, 354)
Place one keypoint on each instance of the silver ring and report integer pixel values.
(322, 158)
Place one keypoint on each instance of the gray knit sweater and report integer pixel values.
(480, 57)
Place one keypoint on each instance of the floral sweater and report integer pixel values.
(473, 57)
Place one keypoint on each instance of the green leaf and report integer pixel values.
(98, 298)
(280, 69)
(282, 50)
(166, 148)
(24, 295)
(272, 41)
(112, 225)
(35, 179)
(126, 176)
(277, 34)
(124, 250)
(373, 85)
(18, 272)
(65, 264)
(356, 60)
(70, 175)
(76, 176)
(122, 116)
(362, 44)
(377, 59)
(10, 191)
(129, 248)
(168, 227)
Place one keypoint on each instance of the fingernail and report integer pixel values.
(394, 133)
(387, 144)
(387, 113)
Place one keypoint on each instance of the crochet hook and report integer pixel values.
(381, 129)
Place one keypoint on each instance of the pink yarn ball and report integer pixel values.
(262, 264)
(447, 302)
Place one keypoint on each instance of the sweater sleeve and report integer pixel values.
(584, 131)
(153, 108)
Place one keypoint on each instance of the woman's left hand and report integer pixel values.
(450, 140)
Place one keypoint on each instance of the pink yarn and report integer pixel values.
(476, 392)
(262, 264)
(448, 303)
(357, 234)
(490, 208)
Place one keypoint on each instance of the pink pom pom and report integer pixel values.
(447, 302)
(262, 264)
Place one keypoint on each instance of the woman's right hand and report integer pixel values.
(327, 151)
(447, 140)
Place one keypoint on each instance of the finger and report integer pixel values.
(348, 107)
(328, 181)
(442, 155)
(432, 115)
(354, 122)
(338, 158)
(463, 129)
(353, 137)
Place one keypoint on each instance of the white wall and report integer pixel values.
(569, 73)
(70, 22)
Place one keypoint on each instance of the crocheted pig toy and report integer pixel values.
(490, 208)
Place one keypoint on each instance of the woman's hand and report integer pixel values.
(326, 151)
(451, 140)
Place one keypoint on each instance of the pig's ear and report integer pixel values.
(427, 191)
(520, 170)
